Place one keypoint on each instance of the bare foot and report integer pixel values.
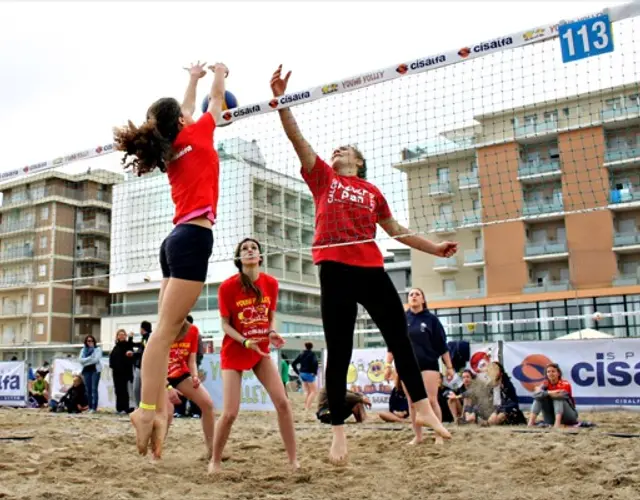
(338, 454)
(295, 466)
(439, 441)
(158, 434)
(214, 468)
(142, 421)
(430, 420)
(415, 441)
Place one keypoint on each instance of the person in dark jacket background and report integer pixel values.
(429, 342)
(306, 366)
(121, 364)
(138, 351)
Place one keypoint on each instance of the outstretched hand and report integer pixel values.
(446, 249)
(279, 84)
(197, 70)
(215, 66)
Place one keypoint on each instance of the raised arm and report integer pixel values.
(216, 96)
(303, 149)
(196, 71)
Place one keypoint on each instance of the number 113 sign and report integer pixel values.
(585, 38)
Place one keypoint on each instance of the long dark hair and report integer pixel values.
(151, 144)
(245, 280)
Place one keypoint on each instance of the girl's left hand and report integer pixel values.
(276, 340)
(196, 382)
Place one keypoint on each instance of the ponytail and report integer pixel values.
(248, 284)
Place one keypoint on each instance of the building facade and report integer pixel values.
(544, 201)
(254, 201)
(54, 257)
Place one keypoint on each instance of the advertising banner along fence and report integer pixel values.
(13, 383)
(604, 373)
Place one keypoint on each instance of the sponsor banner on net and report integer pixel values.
(603, 373)
(13, 383)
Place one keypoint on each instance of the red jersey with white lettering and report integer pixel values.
(194, 171)
(249, 318)
(348, 209)
(560, 385)
(180, 352)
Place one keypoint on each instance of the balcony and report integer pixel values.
(541, 207)
(547, 286)
(15, 312)
(292, 213)
(93, 226)
(621, 240)
(440, 189)
(622, 113)
(621, 155)
(92, 282)
(292, 275)
(626, 280)
(445, 224)
(474, 258)
(468, 181)
(542, 170)
(623, 197)
(540, 250)
(16, 282)
(93, 254)
(275, 240)
(472, 218)
(91, 311)
(457, 295)
(542, 128)
(17, 226)
(309, 278)
(445, 264)
(16, 254)
(308, 218)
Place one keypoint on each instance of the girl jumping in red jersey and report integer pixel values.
(173, 142)
(351, 269)
(183, 377)
(247, 304)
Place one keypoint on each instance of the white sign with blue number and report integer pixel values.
(585, 38)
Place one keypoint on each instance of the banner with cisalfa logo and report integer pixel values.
(253, 395)
(426, 63)
(13, 383)
(482, 355)
(603, 373)
(62, 379)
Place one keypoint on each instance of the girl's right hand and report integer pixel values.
(279, 84)
(221, 66)
(255, 346)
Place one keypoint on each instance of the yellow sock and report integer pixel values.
(145, 406)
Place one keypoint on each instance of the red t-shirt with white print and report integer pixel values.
(348, 210)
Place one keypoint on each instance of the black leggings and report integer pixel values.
(343, 287)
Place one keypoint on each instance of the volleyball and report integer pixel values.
(597, 316)
(229, 102)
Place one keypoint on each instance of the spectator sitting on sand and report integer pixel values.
(554, 398)
(354, 404)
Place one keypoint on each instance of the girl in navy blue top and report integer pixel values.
(429, 342)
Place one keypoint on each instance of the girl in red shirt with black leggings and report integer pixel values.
(352, 269)
(248, 302)
(173, 142)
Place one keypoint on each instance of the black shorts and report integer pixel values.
(185, 253)
(174, 381)
(428, 365)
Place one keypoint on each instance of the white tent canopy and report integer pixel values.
(587, 333)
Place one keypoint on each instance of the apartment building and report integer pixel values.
(54, 257)
(255, 201)
(544, 201)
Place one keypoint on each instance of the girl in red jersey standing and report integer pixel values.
(182, 376)
(348, 209)
(247, 304)
(170, 140)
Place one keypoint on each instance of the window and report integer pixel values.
(446, 211)
(443, 175)
(43, 242)
(44, 213)
(481, 282)
(551, 116)
(449, 287)
(42, 270)
(40, 329)
(41, 299)
(530, 120)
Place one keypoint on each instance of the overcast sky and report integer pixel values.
(71, 71)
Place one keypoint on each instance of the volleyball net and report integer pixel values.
(523, 148)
